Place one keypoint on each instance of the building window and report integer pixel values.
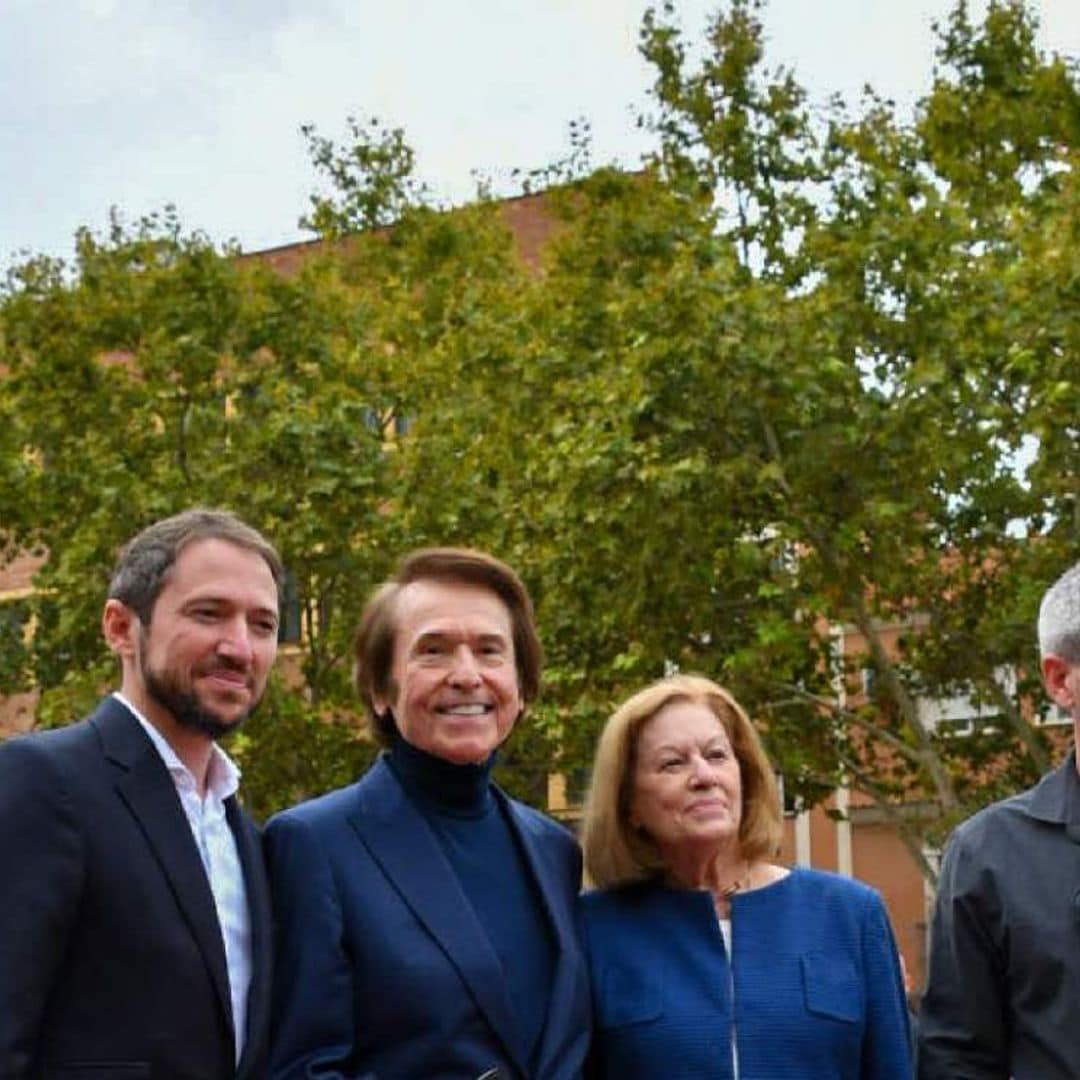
(960, 716)
(290, 628)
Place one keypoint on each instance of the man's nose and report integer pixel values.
(464, 671)
(236, 641)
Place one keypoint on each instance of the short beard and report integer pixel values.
(186, 709)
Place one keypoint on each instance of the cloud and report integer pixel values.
(199, 103)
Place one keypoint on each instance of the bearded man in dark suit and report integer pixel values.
(134, 912)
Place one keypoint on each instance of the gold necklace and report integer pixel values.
(740, 883)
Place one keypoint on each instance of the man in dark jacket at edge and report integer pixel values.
(1003, 993)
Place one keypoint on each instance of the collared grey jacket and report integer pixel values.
(1003, 995)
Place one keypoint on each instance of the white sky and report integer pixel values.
(138, 103)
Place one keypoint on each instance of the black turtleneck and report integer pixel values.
(460, 806)
(440, 785)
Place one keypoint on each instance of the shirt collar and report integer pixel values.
(222, 776)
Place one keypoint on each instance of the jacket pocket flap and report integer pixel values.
(831, 987)
(627, 996)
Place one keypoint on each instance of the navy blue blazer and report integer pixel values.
(811, 992)
(383, 969)
(111, 958)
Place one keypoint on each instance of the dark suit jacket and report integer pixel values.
(1003, 994)
(111, 958)
(384, 970)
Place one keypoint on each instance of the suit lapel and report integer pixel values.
(550, 878)
(145, 786)
(258, 899)
(402, 843)
(545, 870)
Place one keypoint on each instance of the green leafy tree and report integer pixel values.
(371, 178)
(160, 374)
(888, 413)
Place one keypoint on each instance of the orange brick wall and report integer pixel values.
(880, 859)
(527, 217)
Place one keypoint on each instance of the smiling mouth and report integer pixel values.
(475, 709)
(234, 680)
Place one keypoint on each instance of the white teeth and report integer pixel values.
(465, 710)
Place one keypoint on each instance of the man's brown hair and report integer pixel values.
(146, 561)
(374, 647)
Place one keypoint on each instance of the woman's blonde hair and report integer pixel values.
(616, 852)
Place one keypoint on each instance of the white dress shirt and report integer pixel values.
(220, 858)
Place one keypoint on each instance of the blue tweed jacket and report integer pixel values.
(812, 990)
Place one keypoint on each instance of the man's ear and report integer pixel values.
(383, 701)
(121, 627)
(1062, 690)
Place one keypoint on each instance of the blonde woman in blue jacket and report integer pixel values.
(707, 958)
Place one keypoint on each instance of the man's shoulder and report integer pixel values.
(988, 829)
(536, 821)
(988, 818)
(54, 765)
(1042, 802)
(329, 808)
(1015, 829)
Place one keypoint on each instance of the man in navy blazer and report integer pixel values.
(134, 912)
(425, 921)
